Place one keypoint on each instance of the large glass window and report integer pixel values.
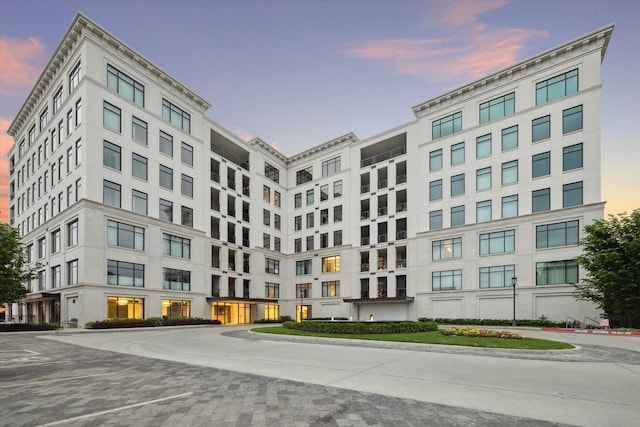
(497, 107)
(271, 290)
(74, 77)
(541, 129)
(558, 234)
(139, 130)
(457, 216)
(72, 233)
(331, 264)
(510, 138)
(111, 193)
(176, 246)
(310, 195)
(483, 146)
(186, 185)
(435, 219)
(139, 166)
(483, 211)
(124, 85)
(557, 87)
(446, 125)
(111, 155)
(572, 119)
(435, 190)
(541, 164)
(72, 272)
(166, 177)
(271, 172)
(572, 194)
(111, 116)
(457, 184)
(331, 288)
(510, 172)
(297, 200)
(303, 267)
(446, 280)
(483, 179)
(541, 200)
(125, 308)
(435, 160)
(166, 210)
(139, 202)
(446, 249)
(186, 154)
(186, 216)
(166, 144)
(271, 266)
(556, 272)
(457, 153)
(176, 280)
(331, 166)
(123, 273)
(498, 242)
(176, 116)
(304, 175)
(337, 189)
(572, 157)
(176, 308)
(125, 235)
(497, 277)
(510, 206)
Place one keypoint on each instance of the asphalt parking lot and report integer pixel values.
(48, 382)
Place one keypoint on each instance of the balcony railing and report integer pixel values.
(382, 238)
(401, 207)
(383, 156)
(401, 263)
(401, 234)
(401, 179)
(364, 241)
(364, 215)
(382, 183)
(364, 189)
(382, 211)
(364, 267)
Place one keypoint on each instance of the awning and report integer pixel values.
(41, 296)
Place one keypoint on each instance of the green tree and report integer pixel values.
(14, 268)
(611, 257)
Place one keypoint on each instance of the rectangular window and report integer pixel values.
(497, 277)
(176, 246)
(324, 217)
(72, 272)
(510, 172)
(166, 177)
(176, 116)
(541, 129)
(111, 194)
(303, 267)
(498, 242)
(331, 166)
(457, 184)
(483, 179)
(510, 138)
(111, 155)
(558, 234)
(435, 160)
(446, 249)
(435, 190)
(331, 289)
(186, 154)
(111, 116)
(78, 152)
(78, 112)
(166, 144)
(483, 146)
(297, 223)
(125, 86)
(541, 164)
(497, 107)
(44, 119)
(139, 166)
(297, 245)
(42, 248)
(304, 175)
(271, 290)
(56, 241)
(271, 266)
(186, 185)
(331, 264)
(276, 221)
(556, 272)
(324, 240)
(446, 280)
(72, 233)
(176, 280)
(435, 220)
(57, 100)
(337, 238)
(276, 198)
(572, 157)
(310, 194)
(186, 216)
(324, 192)
(266, 217)
(483, 211)
(446, 125)
(310, 221)
(457, 215)
(125, 235)
(572, 119)
(457, 153)
(266, 240)
(139, 131)
(297, 200)
(510, 206)
(122, 273)
(139, 202)
(541, 200)
(337, 189)
(572, 194)
(337, 213)
(557, 87)
(271, 172)
(166, 210)
(266, 194)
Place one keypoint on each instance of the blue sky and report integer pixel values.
(300, 73)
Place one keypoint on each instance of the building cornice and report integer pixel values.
(598, 39)
(348, 138)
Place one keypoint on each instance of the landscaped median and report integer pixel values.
(414, 332)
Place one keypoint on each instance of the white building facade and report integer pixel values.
(135, 204)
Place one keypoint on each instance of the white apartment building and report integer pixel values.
(135, 204)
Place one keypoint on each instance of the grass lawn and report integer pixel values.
(431, 338)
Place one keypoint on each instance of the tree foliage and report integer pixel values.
(14, 268)
(611, 257)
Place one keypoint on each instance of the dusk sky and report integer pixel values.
(300, 73)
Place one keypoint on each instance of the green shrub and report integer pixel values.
(176, 321)
(360, 328)
(22, 327)
(123, 323)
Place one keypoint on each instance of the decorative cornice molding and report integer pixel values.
(348, 138)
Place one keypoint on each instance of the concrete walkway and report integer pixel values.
(595, 385)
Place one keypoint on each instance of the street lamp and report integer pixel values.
(514, 280)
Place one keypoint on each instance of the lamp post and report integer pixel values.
(514, 280)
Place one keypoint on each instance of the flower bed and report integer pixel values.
(462, 331)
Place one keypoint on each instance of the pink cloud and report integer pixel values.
(21, 61)
(244, 134)
(5, 144)
(464, 49)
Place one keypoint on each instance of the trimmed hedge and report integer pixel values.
(151, 322)
(361, 328)
(497, 322)
(23, 327)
